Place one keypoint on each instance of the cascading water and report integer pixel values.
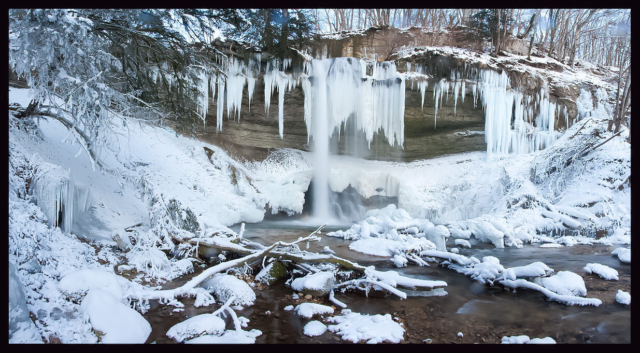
(338, 89)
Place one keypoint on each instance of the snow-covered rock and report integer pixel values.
(603, 271)
(118, 322)
(546, 340)
(314, 328)
(203, 324)
(309, 309)
(356, 327)
(223, 286)
(487, 233)
(623, 297)
(317, 284)
(624, 254)
(564, 283)
(76, 284)
(525, 339)
(271, 273)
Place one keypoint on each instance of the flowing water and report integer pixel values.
(483, 313)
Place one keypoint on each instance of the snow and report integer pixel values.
(314, 328)
(623, 297)
(224, 286)
(309, 309)
(623, 254)
(117, 321)
(229, 337)
(288, 307)
(21, 328)
(460, 334)
(76, 284)
(356, 327)
(525, 339)
(196, 326)
(566, 299)
(603, 271)
(320, 281)
(462, 242)
(375, 246)
(565, 283)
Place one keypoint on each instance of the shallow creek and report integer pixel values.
(483, 313)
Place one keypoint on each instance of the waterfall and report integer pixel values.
(338, 89)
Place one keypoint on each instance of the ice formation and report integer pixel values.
(338, 89)
(59, 198)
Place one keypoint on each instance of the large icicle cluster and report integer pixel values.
(339, 88)
(514, 122)
(59, 198)
(275, 78)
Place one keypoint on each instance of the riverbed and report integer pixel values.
(483, 313)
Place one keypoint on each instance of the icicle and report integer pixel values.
(456, 90)
(423, 87)
(251, 84)
(220, 103)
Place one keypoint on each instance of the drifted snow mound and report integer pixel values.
(525, 339)
(309, 309)
(196, 326)
(117, 321)
(603, 271)
(314, 328)
(564, 283)
(229, 337)
(623, 297)
(223, 286)
(357, 327)
(21, 328)
(623, 254)
(76, 284)
(317, 284)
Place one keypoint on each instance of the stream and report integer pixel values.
(483, 313)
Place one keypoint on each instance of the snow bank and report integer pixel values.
(21, 328)
(603, 271)
(117, 321)
(198, 325)
(623, 297)
(309, 309)
(357, 327)
(223, 286)
(314, 328)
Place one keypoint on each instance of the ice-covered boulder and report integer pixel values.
(564, 283)
(21, 328)
(223, 286)
(317, 284)
(487, 233)
(118, 322)
(438, 235)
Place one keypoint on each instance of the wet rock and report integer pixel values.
(54, 339)
(56, 314)
(271, 273)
